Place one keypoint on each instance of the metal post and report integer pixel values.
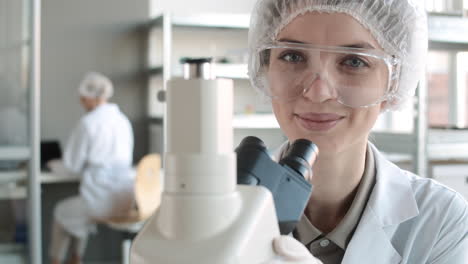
(34, 187)
(167, 67)
(459, 100)
(457, 92)
(420, 129)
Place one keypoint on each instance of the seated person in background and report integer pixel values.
(100, 150)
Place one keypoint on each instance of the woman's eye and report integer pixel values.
(355, 62)
(292, 57)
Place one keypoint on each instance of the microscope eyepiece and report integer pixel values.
(300, 157)
(252, 142)
(288, 180)
(198, 68)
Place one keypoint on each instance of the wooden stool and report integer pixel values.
(147, 200)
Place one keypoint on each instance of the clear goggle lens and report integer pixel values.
(356, 77)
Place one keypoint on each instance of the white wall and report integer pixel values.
(202, 6)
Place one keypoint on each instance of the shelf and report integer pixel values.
(156, 70)
(442, 144)
(231, 21)
(255, 121)
(441, 136)
(13, 253)
(12, 176)
(394, 142)
(448, 32)
(221, 70)
(448, 144)
(8, 191)
(64, 177)
(14, 153)
(231, 71)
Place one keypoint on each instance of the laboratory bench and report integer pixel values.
(103, 247)
(12, 187)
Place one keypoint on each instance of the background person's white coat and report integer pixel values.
(100, 150)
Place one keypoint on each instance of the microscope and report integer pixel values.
(219, 206)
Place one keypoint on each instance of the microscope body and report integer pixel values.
(204, 216)
(230, 229)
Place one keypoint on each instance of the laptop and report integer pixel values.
(50, 150)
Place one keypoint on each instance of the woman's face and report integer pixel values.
(317, 115)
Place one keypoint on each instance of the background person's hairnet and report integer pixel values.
(399, 26)
(96, 85)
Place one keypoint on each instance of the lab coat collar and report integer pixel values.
(392, 202)
(105, 107)
(370, 243)
(392, 199)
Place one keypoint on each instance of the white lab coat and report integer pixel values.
(100, 150)
(409, 220)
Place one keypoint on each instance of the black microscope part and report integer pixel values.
(285, 179)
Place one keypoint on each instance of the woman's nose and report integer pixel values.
(317, 89)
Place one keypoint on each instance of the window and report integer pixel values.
(447, 84)
(438, 88)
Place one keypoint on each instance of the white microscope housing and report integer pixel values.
(204, 216)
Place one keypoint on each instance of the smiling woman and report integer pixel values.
(326, 85)
(330, 67)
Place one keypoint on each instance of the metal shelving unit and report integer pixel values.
(255, 121)
(19, 154)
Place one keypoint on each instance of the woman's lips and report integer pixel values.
(318, 121)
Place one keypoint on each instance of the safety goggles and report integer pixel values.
(356, 77)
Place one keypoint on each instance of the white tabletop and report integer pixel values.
(12, 183)
(8, 177)
(52, 177)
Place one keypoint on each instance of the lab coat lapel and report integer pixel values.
(392, 202)
(392, 199)
(370, 244)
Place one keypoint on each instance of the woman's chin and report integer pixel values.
(326, 145)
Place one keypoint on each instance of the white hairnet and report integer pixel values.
(96, 85)
(399, 26)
